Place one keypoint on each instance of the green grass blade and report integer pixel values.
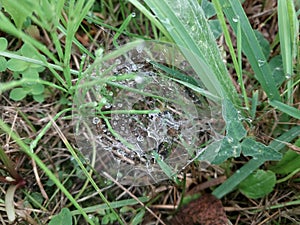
(284, 27)
(40, 163)
(77, 11)
(286, 109)
(84, 170)
(187, 25)
(288, 27)
(253, 164)
(121, 29)
(250, 46)
(114, 205)
(151, 17)
(237, 60)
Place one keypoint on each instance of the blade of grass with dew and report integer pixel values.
(288, 28)
(77, 43)
(121, 29)
(12, 84)
(166, 168)
(151, 17)
(237, 61)
(286, 109)
(188, 26)
(40, 163)
(76, 12)
(277, 144)
(114, 205)
(84, 170)
(250, 46)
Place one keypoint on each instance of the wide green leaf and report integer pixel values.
(17, 12)
(17, 94)
(256, 150)
(253, 164)
(63, 218)
(17, 65)
(258, 184)
(289, 163)
(3, 64)
(234, 127)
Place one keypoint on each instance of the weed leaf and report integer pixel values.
(17, 94)
(138, 218)
(3, 64)
(17, 12)
(229, 148)
(258, 184)
(63, 218)
(289, 163)
(258, 150)
(234, 127)
(3, 44)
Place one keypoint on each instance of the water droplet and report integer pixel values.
(133, 14)
(288, 76)
(261, 62)
(235, 19)
(139, 79)
(166, 21)
(107, 106)
(117, 61)
(140, 138)
(139, 48)
(96, 120)
(133, 67)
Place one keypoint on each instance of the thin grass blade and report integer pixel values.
(250, 46)
(187, 25)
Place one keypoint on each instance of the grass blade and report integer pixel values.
(40, 163)
(237, 60)
(288, 34)
(114, 205)
(151, 17)
(250, 46)
(187, 25)
(286, 109)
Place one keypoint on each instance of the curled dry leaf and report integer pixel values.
(207, 210)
